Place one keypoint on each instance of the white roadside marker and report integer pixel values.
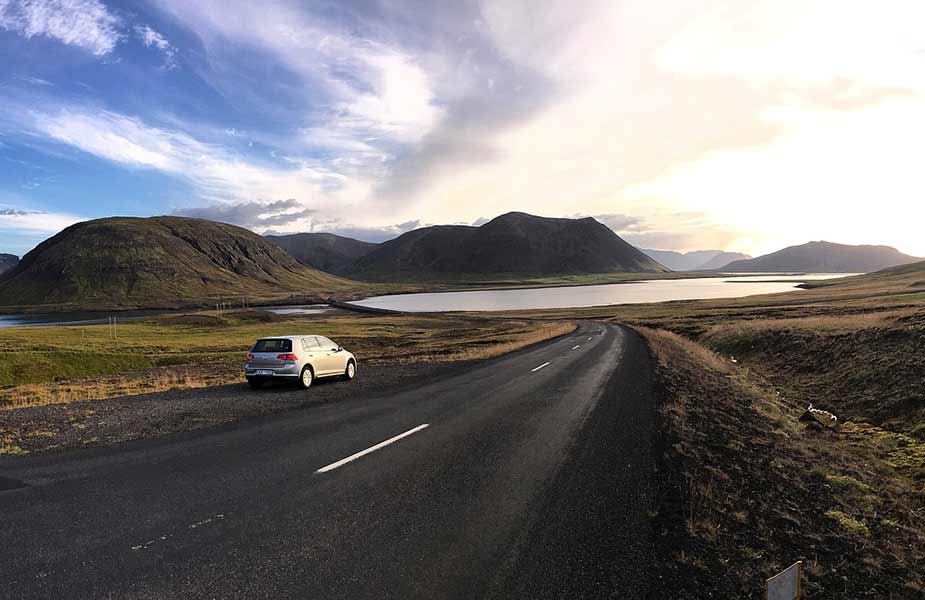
(539, 367)
(576, 347)
(353, 457)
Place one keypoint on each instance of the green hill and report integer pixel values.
(158, 262)
(514, 243)
(325, 251)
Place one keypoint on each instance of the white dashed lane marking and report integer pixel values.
(362, 453)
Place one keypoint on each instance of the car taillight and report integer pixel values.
(250, 357)
(287, 357)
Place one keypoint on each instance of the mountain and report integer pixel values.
(721, 260)
(324, 251)
(695, 260)
(125, 262)
(7, 262)
(824, 257)
(514, 243)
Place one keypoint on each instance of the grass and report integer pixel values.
(47, 365)
(747, 490)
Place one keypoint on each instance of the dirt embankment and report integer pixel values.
(746, 490)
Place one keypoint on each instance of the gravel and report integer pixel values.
(59, 427)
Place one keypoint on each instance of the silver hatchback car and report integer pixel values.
(297, 358)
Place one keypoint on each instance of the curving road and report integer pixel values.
(527, 476)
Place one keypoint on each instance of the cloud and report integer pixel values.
(33, 221)
(218, 174)
(253, 215)
(33, 80)
(619, 223)
(86, 24)
(367, 234)
(152, 39)
(681, 231)
(349, 88)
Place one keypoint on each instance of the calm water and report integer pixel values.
(302, 309)
(91, 318)
(556, 297)
(74, 318)
(594, 295)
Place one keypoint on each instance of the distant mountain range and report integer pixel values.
(124, 262)
(824, 257)
(7, 262)
(325, 251)
(164, 262)
(514, 243)
(696, 260)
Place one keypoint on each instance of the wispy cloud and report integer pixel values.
(217, 172)
(152, 39)
(87, 24)
(254, 215)
(359, 93)
(35, 222)
(375, 234)
(33, 80)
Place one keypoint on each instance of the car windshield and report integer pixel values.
(273, 345)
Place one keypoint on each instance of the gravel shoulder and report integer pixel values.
(59, 427)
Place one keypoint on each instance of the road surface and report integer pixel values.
(526, 476)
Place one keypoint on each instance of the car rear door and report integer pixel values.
(329, 358)
(311, 353)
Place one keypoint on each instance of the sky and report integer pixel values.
(742, 125)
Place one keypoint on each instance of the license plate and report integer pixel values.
(263, 372)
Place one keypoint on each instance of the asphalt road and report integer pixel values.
(527, 476)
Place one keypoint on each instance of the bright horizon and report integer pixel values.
(744, 127)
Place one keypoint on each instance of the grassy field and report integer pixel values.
(42, 365)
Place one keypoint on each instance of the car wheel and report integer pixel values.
(255, 383)
(351, 371)
(306, 377)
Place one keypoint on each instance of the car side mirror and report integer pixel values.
(339, 349)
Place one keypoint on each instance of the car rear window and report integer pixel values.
(273, 346)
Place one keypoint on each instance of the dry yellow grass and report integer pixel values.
(54, 365)
(155, 380)
(522, 340)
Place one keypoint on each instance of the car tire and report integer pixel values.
(306, 377)
(255, 383)
(350, 372)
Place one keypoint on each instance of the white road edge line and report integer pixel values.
(539, 367)
(576, 347)
(362, 453)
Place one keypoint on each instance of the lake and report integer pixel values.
(658, 290)
(482, 300)
(96, 318)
